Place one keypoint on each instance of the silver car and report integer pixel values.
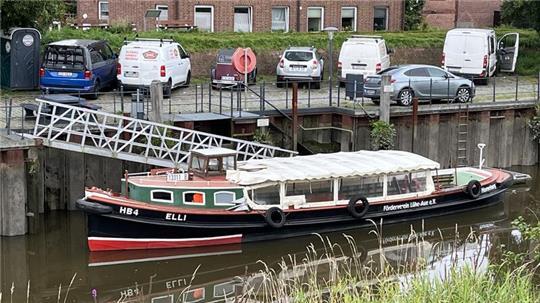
(300, 64)
(423, 81)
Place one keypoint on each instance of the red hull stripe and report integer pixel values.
(107, 243)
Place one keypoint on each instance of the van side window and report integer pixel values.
(95, 56)
(182, 52)
(105, 52)
(491, 45)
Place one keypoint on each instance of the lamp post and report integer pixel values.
(330, 30)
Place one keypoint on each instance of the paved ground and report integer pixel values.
(199, 97)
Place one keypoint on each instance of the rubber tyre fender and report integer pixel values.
(473, 189)
(353, 211)
(270, 214)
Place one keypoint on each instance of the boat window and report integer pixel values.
(213, 164)
(194, 198)
(419, 181)
(161, 196)
(399, 184)
(268, 195)
(224, 197)
(315, 191)
(197, 163)
(228, 162)
(365, 186)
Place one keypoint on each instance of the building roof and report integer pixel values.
(326, 166)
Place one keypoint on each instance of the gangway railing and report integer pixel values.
(100, 133)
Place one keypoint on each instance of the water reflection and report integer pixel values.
(53, 256)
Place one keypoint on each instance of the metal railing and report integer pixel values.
(100, 133)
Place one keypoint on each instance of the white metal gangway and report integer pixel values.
(104, 134)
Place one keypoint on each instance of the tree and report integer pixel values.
(521, 13)
(413, 14)
(30, 13)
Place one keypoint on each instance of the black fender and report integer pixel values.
(275, 217)
(93, 207)
(473, 189)
(352, 207)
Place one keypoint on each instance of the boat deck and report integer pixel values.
(196, 182)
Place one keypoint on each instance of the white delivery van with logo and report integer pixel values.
(362, 55)
(145, 60)
(473, 52)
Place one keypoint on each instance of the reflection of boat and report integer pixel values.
(219, 202)
(169, 278)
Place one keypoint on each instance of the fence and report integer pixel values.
(235, 101)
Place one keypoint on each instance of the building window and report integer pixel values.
(242, 19)
(380, 19)
(315, 17)
(194, 198)
(280, 19)
(162, 196)
(224, 197)
(204, 18)
(348, 19)
(103, 10)
(164, 15)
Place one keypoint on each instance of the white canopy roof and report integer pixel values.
(325, 166)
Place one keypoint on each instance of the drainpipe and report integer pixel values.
(298, 15)
(177, 10)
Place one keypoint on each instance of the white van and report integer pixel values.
(365, 55)
(475, 52)
(145, 60)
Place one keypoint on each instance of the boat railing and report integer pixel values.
(138, 174)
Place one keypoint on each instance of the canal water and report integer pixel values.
(56, 263)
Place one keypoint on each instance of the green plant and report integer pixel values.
(534, 124)
(382, 135)
(263, 136)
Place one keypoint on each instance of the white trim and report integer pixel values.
(163, 297)
(286, 17)
(171, 201)
(322, 17)
(226, 192)
(250, 16)
(99, 10)
(193, 203)
(355, 16)
(211, 7)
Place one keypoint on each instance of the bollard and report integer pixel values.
(384, 106)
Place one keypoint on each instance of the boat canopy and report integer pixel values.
(328, 166)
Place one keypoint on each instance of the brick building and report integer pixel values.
(462, 13)
(250, 15)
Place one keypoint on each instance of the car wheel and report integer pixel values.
(463, 94)
(405, 97)
(279, 82)
(95, 92)
(376, 101)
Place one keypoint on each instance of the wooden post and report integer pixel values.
(415, 122)
(295, 116)
(156, 97)
(384, 106)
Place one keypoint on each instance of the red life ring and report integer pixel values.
(239, 60)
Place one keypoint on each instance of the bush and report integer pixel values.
(382, 135)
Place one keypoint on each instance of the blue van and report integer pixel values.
(83, 66)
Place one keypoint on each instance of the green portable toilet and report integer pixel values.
(19, 53)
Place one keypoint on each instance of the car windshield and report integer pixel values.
(225, 55)
(64, 56)
(298, 56)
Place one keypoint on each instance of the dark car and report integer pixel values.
(84, 66)
(224, 74)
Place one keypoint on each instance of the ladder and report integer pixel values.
(462, 136)
(104, 134)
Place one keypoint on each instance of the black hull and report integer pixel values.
(253, 227)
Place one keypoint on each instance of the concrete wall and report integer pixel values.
(503, 128)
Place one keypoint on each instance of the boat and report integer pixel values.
(218, 200)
